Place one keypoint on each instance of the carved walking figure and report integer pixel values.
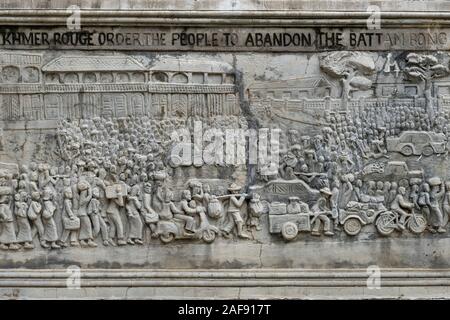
(133, 207)
(98, 217)
(50, 232)
(8, 233)
(24, 237)
(85, 195)
(436, 194)
(34, 214)
(150, 216)
(113, 211)
(236, 201)
(71, 223)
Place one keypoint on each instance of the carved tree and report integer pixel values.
(352, 68)
(423, 68)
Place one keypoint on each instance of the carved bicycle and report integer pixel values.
(388, 221)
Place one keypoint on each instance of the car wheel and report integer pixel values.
(427, 151)
(289, 231)
(407, 150)
(352, 226)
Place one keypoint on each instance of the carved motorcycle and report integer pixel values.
(169, 230)
(388, 221)
(358, 214)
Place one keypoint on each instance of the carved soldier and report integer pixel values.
(236, 201)
(320, 211)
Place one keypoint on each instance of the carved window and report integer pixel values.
(179, 78)
(10, 74)
(160, 77)
(198, 77)
(89, 77)
(106, 77)
(30, 75)
(122, 77)
(215, 78)
(137, 104)
(52, 78)
(229, 79)
(71, 78)
(138, 77)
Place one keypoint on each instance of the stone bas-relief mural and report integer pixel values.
(88, 140)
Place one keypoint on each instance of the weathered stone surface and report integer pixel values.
(276, 149)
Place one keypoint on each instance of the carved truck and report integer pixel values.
(289, 225)
(417, 143)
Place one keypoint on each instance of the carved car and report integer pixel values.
(395, 171)
(288, 224)
(417, 143)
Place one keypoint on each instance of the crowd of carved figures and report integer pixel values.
(111, 188)
(343, 159)
(109, 181)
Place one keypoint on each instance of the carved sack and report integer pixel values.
(215, 209)
(31, 213)
(422, 199)
(71, 224)
(151, 217)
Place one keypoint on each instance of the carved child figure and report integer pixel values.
(255, 211)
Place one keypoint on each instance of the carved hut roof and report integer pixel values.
(19, 58)
(93, 63)
(189, 65)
